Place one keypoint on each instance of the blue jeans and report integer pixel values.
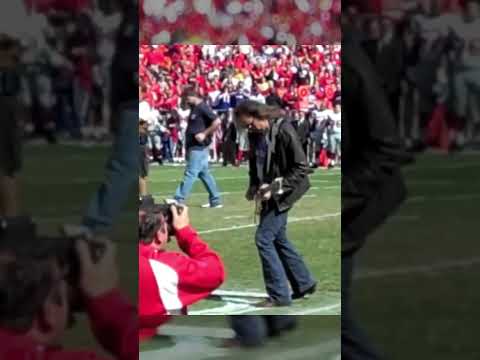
(67, 117)
(121, 175)
(253, 330)
(167, 150)
(197, 168)
(281, 263)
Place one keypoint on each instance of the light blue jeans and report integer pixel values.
(121, 174)
(197, 168)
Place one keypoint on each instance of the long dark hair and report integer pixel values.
(258, 110)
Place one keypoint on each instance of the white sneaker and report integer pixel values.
(208, 206)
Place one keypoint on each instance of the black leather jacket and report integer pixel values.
(372, 184)
(288, 161)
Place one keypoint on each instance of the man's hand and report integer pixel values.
(181, 220)
(200, 137)
(251, 192)
(265, 196)
(97, 278)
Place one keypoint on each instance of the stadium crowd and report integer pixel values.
(303, 80)
(288, 22)
(427, 53)
(67, 64)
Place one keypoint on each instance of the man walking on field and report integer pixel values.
(202, 124)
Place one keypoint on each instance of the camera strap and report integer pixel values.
(272, 141)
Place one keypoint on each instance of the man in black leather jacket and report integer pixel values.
(372, 184)
(278, 179)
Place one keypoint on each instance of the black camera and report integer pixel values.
(152, 216)
(19, 236)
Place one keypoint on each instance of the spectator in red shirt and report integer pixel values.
(170, 281)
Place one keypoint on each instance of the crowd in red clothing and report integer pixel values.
(243, 21)
(303, 77)
(304, 80)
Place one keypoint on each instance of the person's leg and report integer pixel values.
(297, 271)
(170, 150)
(274, 275)
(73, 115)
(121, 174)
(355, 344)
(208, 180)
(142, 186)
(194, 166)
(143, 178)
(250, 330)
(461, 93)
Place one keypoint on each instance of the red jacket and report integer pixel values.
(171, 281)
(115, 333)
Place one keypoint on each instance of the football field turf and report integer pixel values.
(203, 338)
(420, 270)
(314, 228)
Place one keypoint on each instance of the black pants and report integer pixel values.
(355, 344)
(253, 330)
(10, 138)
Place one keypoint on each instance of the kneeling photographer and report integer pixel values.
(171, 281)
(44, 281)
(278, 179)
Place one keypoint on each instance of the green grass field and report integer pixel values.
(316, 338)
(57, 183)
(420, 270)
(314, 227)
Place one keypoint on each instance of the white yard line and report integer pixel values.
(236, 217)
(182, 330)
(231, 308)
(291, 220)
(227, 309)
(316, 311)
(162, 195)
(417, 269)
(250, 294)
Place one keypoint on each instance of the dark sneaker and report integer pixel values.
(269, 303)
(300, 295)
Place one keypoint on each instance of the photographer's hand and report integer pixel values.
(180, 219)
(97, 278)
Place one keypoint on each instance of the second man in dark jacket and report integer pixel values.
(278, 179)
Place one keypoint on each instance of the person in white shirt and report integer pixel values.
(467, 75)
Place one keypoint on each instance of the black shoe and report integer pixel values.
(300, 295)
(270, 303)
